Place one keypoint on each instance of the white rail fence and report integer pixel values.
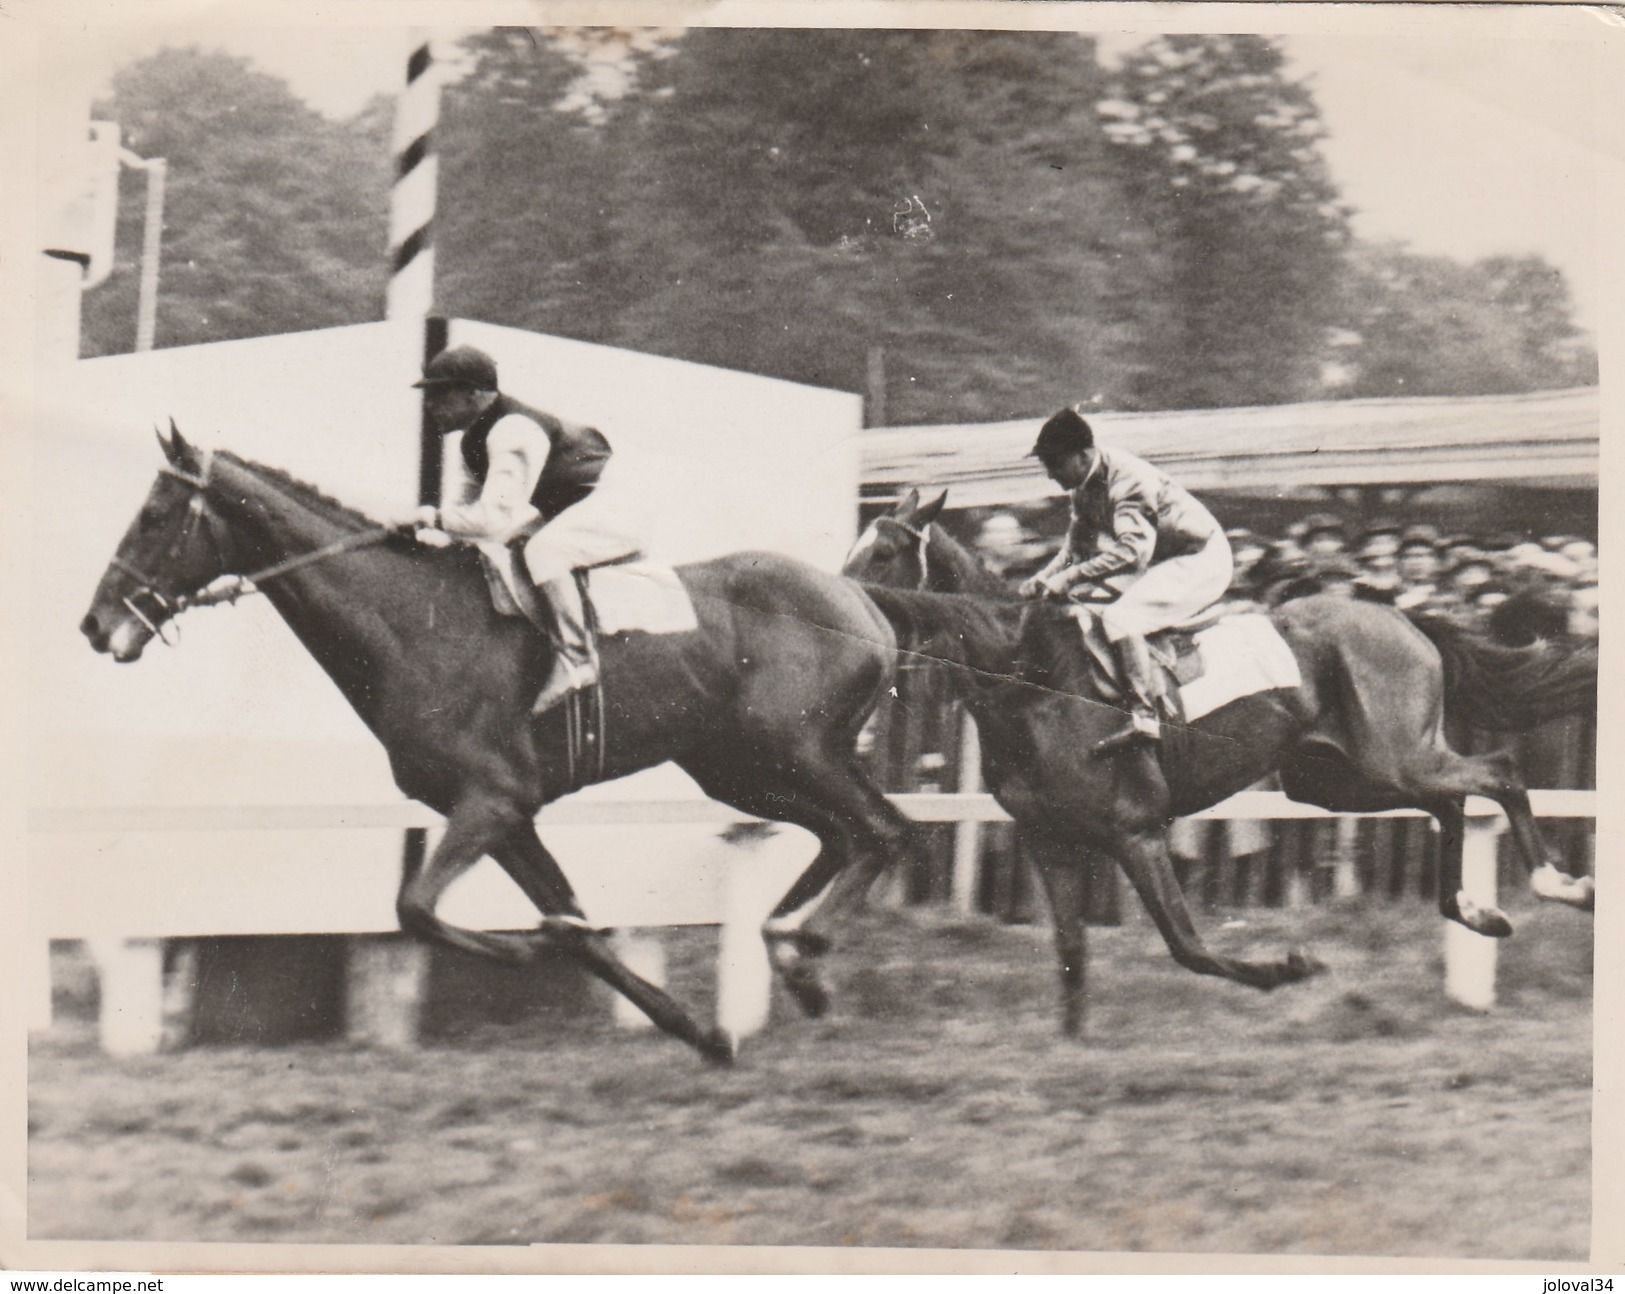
(733, 884)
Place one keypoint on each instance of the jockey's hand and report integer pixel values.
(1039, 587)
(423, 523)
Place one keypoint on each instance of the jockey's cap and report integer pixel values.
(460, 366)
(1064, 433)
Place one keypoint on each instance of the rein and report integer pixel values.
(237, 585)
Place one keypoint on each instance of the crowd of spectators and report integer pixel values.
(1516, 587)
(1519, 588)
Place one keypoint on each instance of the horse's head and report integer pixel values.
(893, 551)
(175, 546)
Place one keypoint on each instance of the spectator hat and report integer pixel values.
(1323, 523)
(460, 366)
(1419, 537)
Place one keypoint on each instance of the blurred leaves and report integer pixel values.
(273, 215)
(1011, 223)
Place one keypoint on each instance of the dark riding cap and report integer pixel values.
(1064, 433)
(460, 366)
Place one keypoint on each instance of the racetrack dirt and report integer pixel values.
(1359, 1114)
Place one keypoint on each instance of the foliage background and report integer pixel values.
(966, 225)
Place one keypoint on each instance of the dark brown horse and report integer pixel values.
(761, 704)
(1365, 731)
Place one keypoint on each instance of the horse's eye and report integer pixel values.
(148, 518)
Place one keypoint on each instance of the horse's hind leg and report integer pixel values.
(855, 824)
(534, 869)
(1065, 877)
(1455, 903)
(1546, 879)
(1496, 777)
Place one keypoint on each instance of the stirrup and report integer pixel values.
(567, 677)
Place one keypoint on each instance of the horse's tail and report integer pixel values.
(1504, 688)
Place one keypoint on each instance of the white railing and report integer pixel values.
(732, 887)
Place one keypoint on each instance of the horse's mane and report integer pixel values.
(341, 514)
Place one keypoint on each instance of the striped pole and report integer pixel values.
(412, 202)
(389, 977)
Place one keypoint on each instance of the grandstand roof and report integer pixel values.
(1548, 438)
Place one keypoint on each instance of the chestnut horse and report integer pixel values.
(762, 703)
(1364, 731)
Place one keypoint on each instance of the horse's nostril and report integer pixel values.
(87, 626)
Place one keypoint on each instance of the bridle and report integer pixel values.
(922, 538)
(167, 607)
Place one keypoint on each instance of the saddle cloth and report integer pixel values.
(641, 595)
(1222, 661)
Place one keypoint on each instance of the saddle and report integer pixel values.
(1175, 653)
(1204, 664)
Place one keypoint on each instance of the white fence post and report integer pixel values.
(744, 974)
(968, 833)
(644, 954)
(1469, 959)
(131, 972)
(386, 977)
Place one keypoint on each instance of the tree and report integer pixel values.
(275, 217)
(1221, 152)
(1429, 325)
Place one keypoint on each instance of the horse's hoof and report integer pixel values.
(1558, 886)
(1303, 966)
(720, 1047)
(808, 991)
(805, 942)
(1494, 924)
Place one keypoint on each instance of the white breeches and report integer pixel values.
(594, 532)
(1172, 592)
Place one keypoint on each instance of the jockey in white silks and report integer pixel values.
(1135, 537)
(532, 479)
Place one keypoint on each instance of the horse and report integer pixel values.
(761, 704)
(1364, 731)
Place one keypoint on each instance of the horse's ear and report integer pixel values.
(929, 513)
(176, 450)
(906, 505)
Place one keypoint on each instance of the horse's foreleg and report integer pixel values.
(1064, 873)
(534, 869)
(1145, 859)
(476, 825)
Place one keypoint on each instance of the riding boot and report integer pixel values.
(574, 663)
(1134, 662)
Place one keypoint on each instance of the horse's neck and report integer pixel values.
(348, 614)
(957, 630)
(952, 569)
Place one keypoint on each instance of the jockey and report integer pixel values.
(1136, 538)
(522, 469)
